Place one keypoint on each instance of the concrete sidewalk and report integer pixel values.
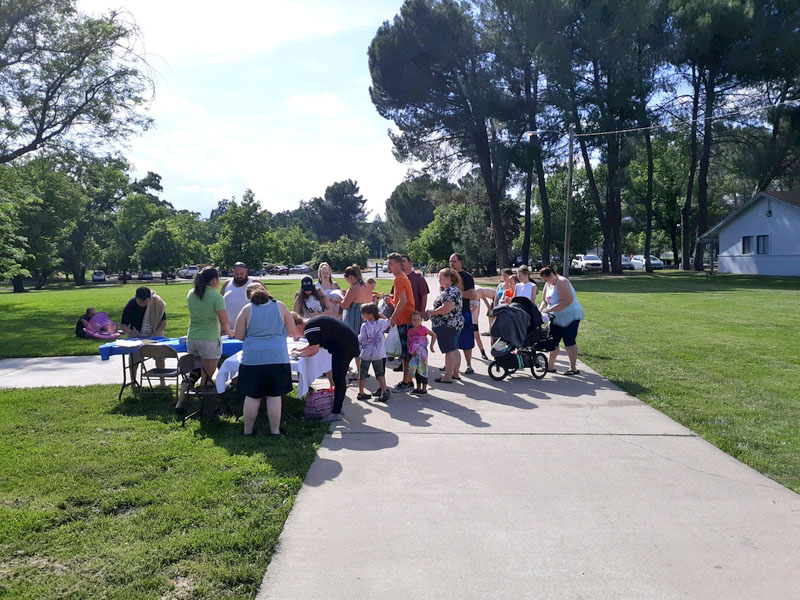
(59, 370)
(559, 488)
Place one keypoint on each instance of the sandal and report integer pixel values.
(440, 380)
(552, 371)
(572, 372)
(365, 396)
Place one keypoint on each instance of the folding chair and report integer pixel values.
(155, 352)
(209, 401)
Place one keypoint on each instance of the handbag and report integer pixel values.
(393, 345)
(319, 404)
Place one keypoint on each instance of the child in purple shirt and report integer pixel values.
(373, 352)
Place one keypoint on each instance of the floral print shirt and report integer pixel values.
(454, 318)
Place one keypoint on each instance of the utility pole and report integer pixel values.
(567, 227)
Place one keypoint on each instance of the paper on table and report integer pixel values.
(129, 343)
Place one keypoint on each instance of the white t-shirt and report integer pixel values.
(235, 299)
(524, 289)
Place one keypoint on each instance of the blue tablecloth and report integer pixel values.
(229, 346)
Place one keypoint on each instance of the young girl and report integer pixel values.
(373, 352)
(418, 349)
(525, 287)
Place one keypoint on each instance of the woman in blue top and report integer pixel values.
(264, 370)
(559, 299)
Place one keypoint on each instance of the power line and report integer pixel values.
(689, 122)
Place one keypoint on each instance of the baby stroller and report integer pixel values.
(522, 339)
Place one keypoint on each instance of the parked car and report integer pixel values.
(638, 262)
(385, 267)
(279, 270)
(627, 265)
(168, 274)
(126, 276)
(145, 276)
(98, 276)
(300, 269)
(188, 272)
(586, 262)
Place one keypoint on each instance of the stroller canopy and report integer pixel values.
(511, 322)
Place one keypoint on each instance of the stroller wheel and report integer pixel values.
(539, 365)
(496, 371)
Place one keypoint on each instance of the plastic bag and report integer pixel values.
(394, 346)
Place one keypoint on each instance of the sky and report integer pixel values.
(270, 95)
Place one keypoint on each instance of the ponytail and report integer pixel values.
(202, 279)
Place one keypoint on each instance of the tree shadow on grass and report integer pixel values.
(680, 283)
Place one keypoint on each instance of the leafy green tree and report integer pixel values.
(340, 212)
(342, 253)
(159, 248)
(136, 215)
(13, 246)
(409, 209)
(432, 75)
(67, 78)
(242, 233)
(292, 246)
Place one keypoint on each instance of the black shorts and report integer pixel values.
(447, 338)
(259, 381)
(378, 366)
(569, 333)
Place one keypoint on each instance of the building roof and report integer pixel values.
(792, 197)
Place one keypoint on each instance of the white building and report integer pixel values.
(761, 237)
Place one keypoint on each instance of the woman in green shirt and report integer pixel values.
(207, 316)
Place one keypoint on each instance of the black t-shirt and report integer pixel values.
(469, 284)
(79, 327)
(331, 334)
(133, 315)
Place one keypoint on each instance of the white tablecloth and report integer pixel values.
(307, 369)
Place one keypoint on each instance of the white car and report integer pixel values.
(586, 262)
(385, 268)
(189, 272)
(638, 262)
(626, 263)
(98, 276)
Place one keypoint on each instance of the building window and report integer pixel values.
(747, 244)
(762, 244)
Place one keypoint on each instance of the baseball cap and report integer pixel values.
(307, 284)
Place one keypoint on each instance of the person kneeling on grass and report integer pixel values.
(418, 349)
(264, 371)
(373, 352)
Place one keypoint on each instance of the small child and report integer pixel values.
(373, 352)
(418, 349)
(371, 283)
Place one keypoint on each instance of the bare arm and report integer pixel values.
(469, 294)
(565, 297)
(225, 325)
(443, 309)
(240, 331)
(348, 297)
(298, 308)
(288, 320)
(307, 351)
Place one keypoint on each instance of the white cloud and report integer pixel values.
(324, 105)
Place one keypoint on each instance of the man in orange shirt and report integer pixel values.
(403, 301)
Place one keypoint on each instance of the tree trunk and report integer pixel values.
(593, 190)
(544, 202)
(79, 275)
(41, 279)
(481, 140)
(648, 202)
(686, 211)
(613, 206)
(705, 161)
(19, 284)
(526, 239)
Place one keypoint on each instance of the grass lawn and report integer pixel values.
(720, 356)
(42, 323)
(107, 499)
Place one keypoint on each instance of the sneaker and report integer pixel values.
(384, 397)
(364, 396)
(468, 370)
(403, 387)
(332, 418)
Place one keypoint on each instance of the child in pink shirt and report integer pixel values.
(418, 349)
